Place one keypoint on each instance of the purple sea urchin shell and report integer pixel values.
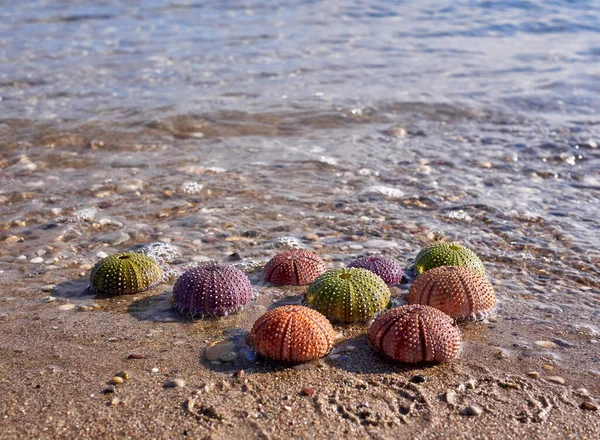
(295, 267)
(389, 270)
(211, 289)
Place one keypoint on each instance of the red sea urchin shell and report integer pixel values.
(295, 267)
(415, 333)
(292, 334)
(389, 270)
(457, 291)
(211, 289)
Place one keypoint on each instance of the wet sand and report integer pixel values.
(347, 127)
(57, 364)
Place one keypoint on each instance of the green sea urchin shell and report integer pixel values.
(127, 272)
(447, 254)
(348, 294)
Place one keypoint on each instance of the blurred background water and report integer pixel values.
(377, 126)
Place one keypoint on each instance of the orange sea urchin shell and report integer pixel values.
(295, 267)
(292, 334)
(457, 291)
(415, 333)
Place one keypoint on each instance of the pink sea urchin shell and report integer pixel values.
(295, 267)
(292, 334)
(389, 270)
(415, 333)
(211, 289)
(457, 291)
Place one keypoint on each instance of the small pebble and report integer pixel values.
(22, 257)
(48, 288)
(533, 374)
(590, 406)
(229, 357)
(155, 370)
(582, 392)
(215, 351)
(40, 252)
(116, 380)
(49, 299)
(473, 410)
(113, 339)
(556, 379)
(109, 389)
(548, 367)
(136, 356)
(174, 383)
(563, 343)
(308, 391)
(546, 344)
(66, 307)
(36, 260)
(115, 401)
(123, 374)
(84, 308)
(450, 397)
(101, 254)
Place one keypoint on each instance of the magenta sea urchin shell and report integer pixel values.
(211, 289)
(389, 270)
(295, 267)
(415, 333)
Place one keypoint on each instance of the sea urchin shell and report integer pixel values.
(447, 254)
(457, 291)
(127, 272)
(292, 334)
(415, 333)
(348, 294)
(295, 267)
(211, 289)
(389, 270)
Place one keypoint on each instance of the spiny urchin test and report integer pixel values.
(127, 272)
(447, 254)
(388, 269)
(292, 334)
(348, 294)
(295, 267)
(211, 289)
(457, 291)
(415, 333)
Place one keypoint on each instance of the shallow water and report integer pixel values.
(221, 128)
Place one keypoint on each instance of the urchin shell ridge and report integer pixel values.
(460, 292)
(125, 273)
(294, 267)
(415, 333)
(211, 289)
(348, 294)
(292, 334)
(447, 254)
(388, 269)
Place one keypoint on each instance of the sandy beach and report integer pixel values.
(230, 132)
